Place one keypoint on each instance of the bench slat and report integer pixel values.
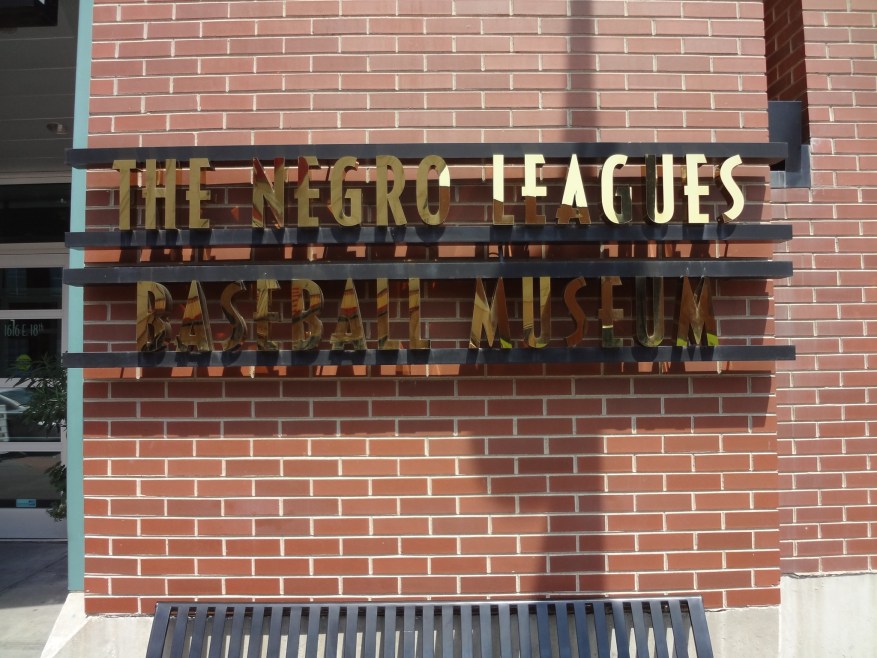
(409, 646)
(294, 632)
(524, 630)
(332, 619)
(622, 642)
(155, 644)
(583, 637)
(505, 631)
(217, 632)
(542, 629)
(312, 644)
(275, 627)
(698, 623)
(371, 632)
(601, 629)
(180, 629)
(564, 649)
(236, 641)
(484, 620)
(466, 638)
(256, 626)
(680, 632)
(352, 613)
(659, 631)
(640, 632)
(428, 631)
(389, 648)
(199, 631)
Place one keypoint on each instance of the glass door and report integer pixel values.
(33, 219)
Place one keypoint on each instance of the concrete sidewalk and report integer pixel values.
(33, 588)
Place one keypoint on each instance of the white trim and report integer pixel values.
(30, 524)
(35, 177)
(30, 446)
(34, 314)
(33, 254)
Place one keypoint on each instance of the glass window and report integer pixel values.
(31, 288)
(34, 213)
(23, 340)
(33, 220)
(24, 481)
(14, 427)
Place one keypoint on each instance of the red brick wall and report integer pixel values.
(827, 400)
(784, 40)
(502, 482)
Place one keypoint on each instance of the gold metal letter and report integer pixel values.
(169, 193)
(576, 311)
(491, 319)
(391, 199)
(731, 189)
(125, 169)
(499, 216)
(337, 193)
(383, 304)
(195, 334)
(530, 337)
(574, 204)
(531, 191)
(607, 183)
(274, 195)
(609, 315)
(303, 192)
(693, 190)
(415, 340)
(196, 195)
(153, 328)
(263, 316)
(307, 328)
(444, 181)
(238, 325)
(696, 313)
(348, 333)
(643, 336)
(667, 201)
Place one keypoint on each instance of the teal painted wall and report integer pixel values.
(75, 511)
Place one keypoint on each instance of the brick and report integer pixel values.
(674, 582)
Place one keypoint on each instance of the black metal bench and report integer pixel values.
(630, 628)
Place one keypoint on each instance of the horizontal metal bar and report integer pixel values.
(421, 234)
(752, 153)
(335, 271)
(436, 356)
(190, 608)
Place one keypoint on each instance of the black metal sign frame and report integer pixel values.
(434, 269)
(752, 153)
(429, 235)
(440, 356)
(463, 269)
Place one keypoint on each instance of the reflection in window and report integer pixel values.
(26, 289)
(14, 426)
(24, 481)
(34, 213)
